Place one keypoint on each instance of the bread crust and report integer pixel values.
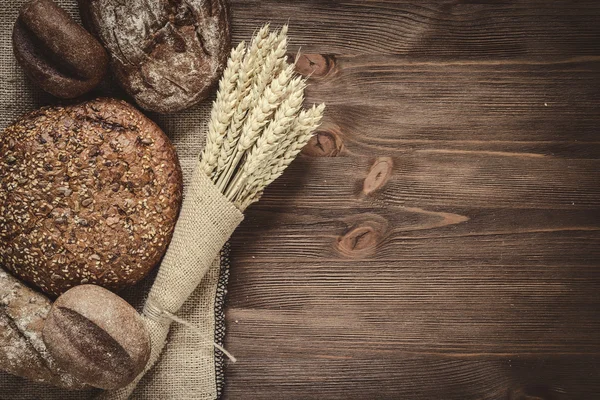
(88, 194)
(167, 55)
(56, 52)
(97, 337)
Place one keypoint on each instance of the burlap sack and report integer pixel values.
(189, 368)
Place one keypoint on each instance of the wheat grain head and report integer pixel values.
(223, 109)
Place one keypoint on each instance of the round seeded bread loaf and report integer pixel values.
(88, 194)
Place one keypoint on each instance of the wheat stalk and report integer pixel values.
(301, 132)
(299, 135)
(259, 47)
(304, 126)
(257, 125)
(267, 143)
(223, 110)
(278, 128)
(274, 61)
(258, 118)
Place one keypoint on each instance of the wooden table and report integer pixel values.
(440, 238)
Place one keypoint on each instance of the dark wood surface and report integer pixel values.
(440, 238)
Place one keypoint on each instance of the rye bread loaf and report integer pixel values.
(22, 350)
(166, 54)
(88, 194)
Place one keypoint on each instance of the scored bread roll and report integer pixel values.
(55, 52)
(97, 336)
(168, 55)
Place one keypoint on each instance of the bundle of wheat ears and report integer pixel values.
(256, 129)
(257, 125)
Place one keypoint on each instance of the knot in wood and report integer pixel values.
(314, 65)
(323, 144)
(378, 175)
(363, 236)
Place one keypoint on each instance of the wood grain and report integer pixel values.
(451, 29)
(440, 237)
(522, 108)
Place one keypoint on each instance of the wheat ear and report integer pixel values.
(257, 127)
(299, 135)
(252, 63)
(258, 118)
(267, 143)
(274, 61)
(223, 109)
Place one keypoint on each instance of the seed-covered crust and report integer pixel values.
(88, 194)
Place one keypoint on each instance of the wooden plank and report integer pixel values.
(406, 376)
(440, 237)
(438, 178)
(437, 308)
(388, 104)
(524, 210)
(443, 30)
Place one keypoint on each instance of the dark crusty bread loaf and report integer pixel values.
(55, 52)
(89, 194)
(22, 350)
(166, 54)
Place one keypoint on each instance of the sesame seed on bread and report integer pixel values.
(88, 194)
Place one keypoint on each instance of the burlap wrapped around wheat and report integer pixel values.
(206, 222)
(189, 367)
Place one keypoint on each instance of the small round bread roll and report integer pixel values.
(56, 52)
(88, 194)
(97, 337)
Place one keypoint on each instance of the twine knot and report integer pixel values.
(156, 313)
